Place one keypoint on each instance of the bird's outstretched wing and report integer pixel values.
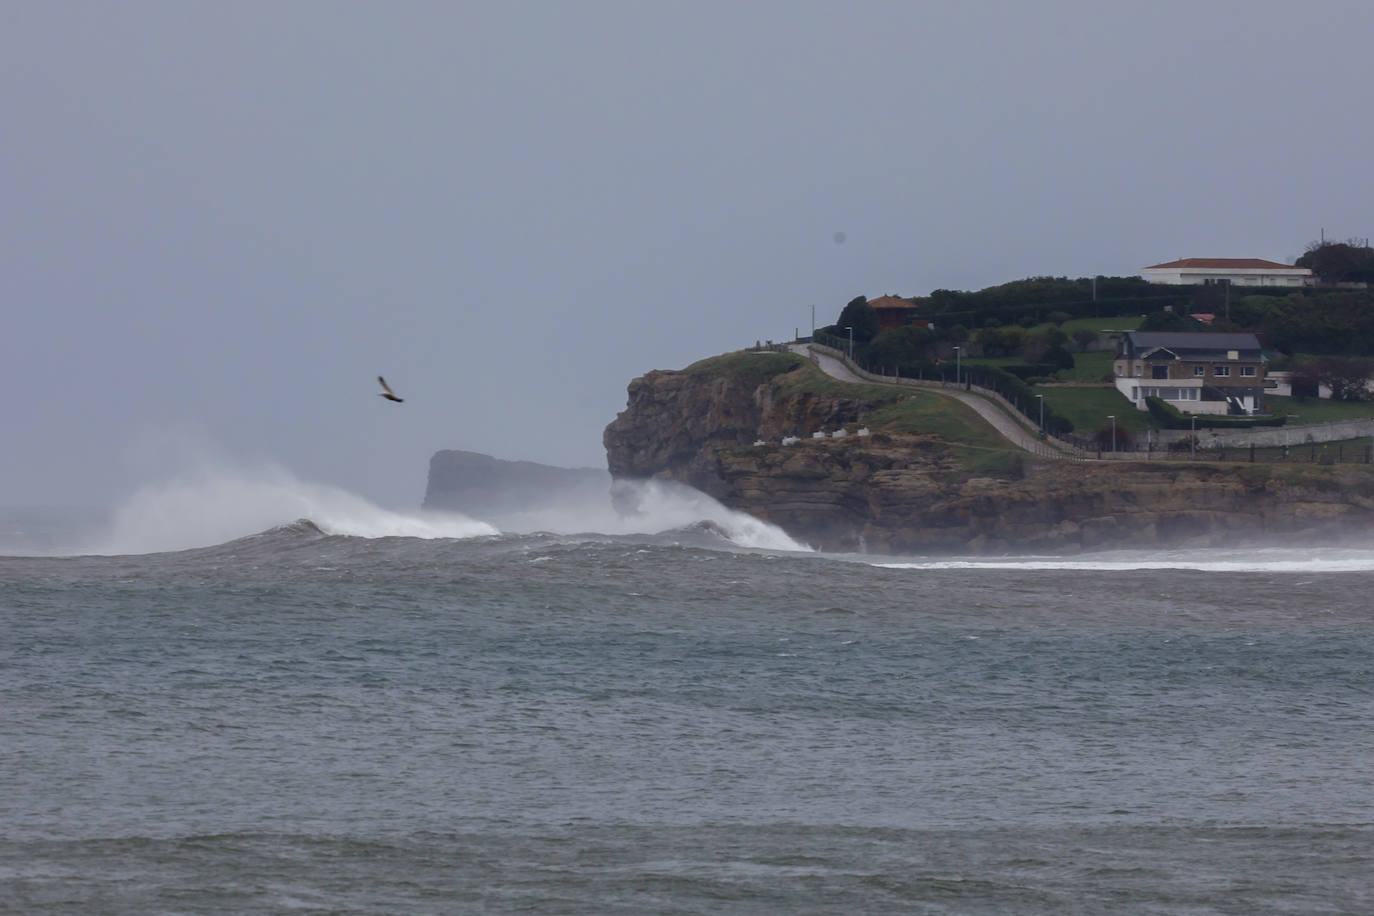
(387, 392)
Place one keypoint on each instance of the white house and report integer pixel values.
(1235, 271)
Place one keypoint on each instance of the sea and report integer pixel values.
(259, 696)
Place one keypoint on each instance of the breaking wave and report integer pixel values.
(208, 507)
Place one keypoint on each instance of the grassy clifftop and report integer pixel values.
(886, 409)
(934, 476)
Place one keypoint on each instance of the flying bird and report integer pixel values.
(387, 392)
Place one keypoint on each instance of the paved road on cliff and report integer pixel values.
(996, 416)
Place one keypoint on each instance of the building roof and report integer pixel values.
(891, 302)
(1224, 264)
(1190, 343)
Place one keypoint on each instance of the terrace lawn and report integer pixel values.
(1087, 367)
(1120, 323)
(1089, 408)
(1313, 410)
(1092, 366)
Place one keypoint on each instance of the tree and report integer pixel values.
(896, 346)
(1058, 357)
(1084, 338)
(1351, 261)
(995, 342)
(1304, 383)
(1346, 376)
(1167, 321)
(860, 316)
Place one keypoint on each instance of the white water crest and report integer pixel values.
(1210, 559)
(209, 506)
(216, 503)
(647, 507)
(664, 506)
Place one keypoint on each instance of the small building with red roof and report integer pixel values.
(896, 312)
(1234, 271)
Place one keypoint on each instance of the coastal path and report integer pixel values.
(1002, 419)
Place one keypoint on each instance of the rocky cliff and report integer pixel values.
(906, 488)
(488, 487)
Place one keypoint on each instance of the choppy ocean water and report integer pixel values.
(687, 717)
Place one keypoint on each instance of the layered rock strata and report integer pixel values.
(907, 493)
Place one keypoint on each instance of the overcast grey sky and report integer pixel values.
(222, 220)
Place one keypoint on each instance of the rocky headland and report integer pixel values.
(487, 487)
(932, 477)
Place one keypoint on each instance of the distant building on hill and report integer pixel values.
(1233, 271)
(896, 312)
(1195, 371)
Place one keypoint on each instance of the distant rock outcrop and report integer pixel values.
(901, 492)
(485, 487)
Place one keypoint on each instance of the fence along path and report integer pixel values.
(989, 405)
(1019, 430)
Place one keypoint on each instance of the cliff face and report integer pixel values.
(898, 493)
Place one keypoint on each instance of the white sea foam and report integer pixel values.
(216, 503)
(649, 507)
(209, 506)
(1269, 559)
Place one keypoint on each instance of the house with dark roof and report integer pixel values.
(1233, 271)
(1197, 372)
(896, 312)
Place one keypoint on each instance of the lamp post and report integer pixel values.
(956, 366)
(1041, 399)
(1112, 417)
(851, 343)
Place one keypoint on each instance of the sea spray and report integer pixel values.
(209, 506)
(213, 504)
(648, 507)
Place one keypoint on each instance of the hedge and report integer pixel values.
(1171, 417)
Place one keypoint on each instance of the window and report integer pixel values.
(1138, 371)
(1159, 372)
(1247, 371)
(1221, 371)
(1199, 371)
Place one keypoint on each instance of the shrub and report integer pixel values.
(1171, 417)
(1058, 357)
(1124, 441)
(1084, 337)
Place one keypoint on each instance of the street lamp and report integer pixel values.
(1041, 399)
(956, 366)
(1112, 417)
(851, 343)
